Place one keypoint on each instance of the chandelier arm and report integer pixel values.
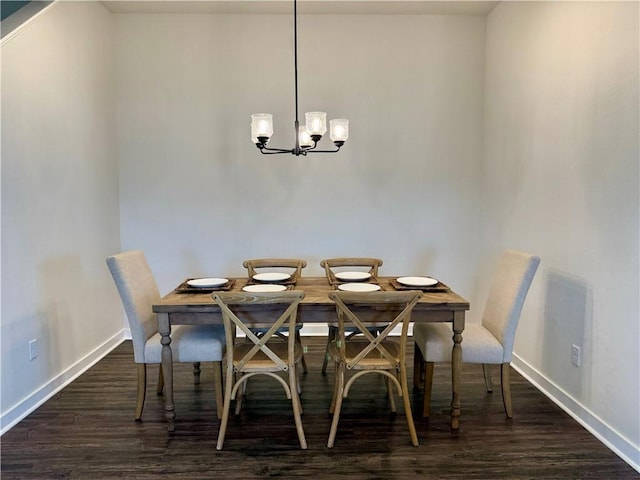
(273, 151)
(325, 151)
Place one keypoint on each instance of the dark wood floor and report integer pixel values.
(87, 431)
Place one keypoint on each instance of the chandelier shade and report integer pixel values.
(261, 125)
(339, 130)
(316, 123)
(305, 139)
(306, 136)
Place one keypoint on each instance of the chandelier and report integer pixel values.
(307, 136)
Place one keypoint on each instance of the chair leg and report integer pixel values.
(418, 368)
(392, 400)
(330, 338)
(196, 373)
(332, 407)
(240, 394)
(226, 408)
(304, 362)
(297, 406)
(160, 386)
(506, 389)
(217, 382)
(487, 377)
(338, 404)
(428, 385)
(142, 389)
(298, 385)
(407, 405)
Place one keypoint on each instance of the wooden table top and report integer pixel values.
(316, 298)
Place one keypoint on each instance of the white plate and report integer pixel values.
(359, 287)
(264, 288)
(207, 282)
(353, 276)
(271, 277)
(418, 281)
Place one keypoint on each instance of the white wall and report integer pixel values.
(561, 181)
(199, 198)
(446, 166)
(59, 201)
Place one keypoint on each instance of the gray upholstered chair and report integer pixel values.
(189, 343)
(487, 343)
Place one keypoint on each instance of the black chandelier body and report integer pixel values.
(308, 136)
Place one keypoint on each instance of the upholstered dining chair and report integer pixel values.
(331, 266)
(289, 265)
(189, 343)
(267, 354)
(487, 343)
(366, 354)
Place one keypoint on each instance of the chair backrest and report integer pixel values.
(138, 292)
(394, 307)
(275, 309)
(506, 297)
(329, 264)
(279, 263)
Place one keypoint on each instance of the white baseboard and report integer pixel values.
(320, 330)
(48, 390)
(619, 444)
(314, 330)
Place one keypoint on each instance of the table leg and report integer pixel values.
(456, 368)
(164, 328)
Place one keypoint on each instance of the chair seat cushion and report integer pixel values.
(189, 343)
(435, 341)
(373, 360)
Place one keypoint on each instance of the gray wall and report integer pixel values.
(469, 135)
(59, 201)
(198, 197)
(560, 174)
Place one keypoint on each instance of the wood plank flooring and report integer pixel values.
(87, 431)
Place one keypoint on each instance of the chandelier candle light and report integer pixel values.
(307, 136)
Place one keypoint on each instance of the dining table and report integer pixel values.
(197, 307)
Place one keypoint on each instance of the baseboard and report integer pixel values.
(48, 390)
(620, 445)
(314, 330)
(320, 330)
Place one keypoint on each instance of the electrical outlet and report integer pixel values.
(33, 349)
(576, 356)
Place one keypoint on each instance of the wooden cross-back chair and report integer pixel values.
(266, 354)
(254, 266)
(368, 353)
(329, 264)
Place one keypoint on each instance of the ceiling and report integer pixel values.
(375, 7)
